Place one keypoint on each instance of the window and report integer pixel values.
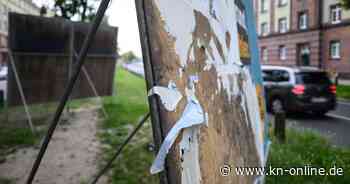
(267, 76)
(282, 52)
(335, 49)
(275, 76)
(282, 2)
(312, 78)
(264, 6)
(336, 14)
(264, 54)
(281, 75)
(263, 29)
(282, 25)
(303, 21)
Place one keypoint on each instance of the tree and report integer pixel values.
(128, 56)
(83, 10)
(346, 3)
(43, 11)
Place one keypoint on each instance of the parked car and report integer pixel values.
(298, 89)
(3, 73)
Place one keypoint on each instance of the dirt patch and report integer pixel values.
(72, 156)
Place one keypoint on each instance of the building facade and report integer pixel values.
(6, 6)
(304, 33)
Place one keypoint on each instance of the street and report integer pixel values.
(335, 125)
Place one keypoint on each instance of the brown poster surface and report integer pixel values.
(209, 110)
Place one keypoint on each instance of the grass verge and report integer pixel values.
(343, 91)
(308, 148)
(13, 138)
(124, 110)
(10, 137)
(6, 181)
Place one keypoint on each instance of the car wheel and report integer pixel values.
(277, 105)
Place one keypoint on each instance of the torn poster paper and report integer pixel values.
(193, 115)
(215, 40)
(169, 96)
(189, 151)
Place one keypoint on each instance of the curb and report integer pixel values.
(343, 100)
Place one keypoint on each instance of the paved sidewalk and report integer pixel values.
(344, 82)
(73, 155)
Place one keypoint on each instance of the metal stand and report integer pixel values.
(280, 126)
(20, 89)
(81, 59)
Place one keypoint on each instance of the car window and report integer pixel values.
(312, 78)
(275, 76)
(267, 76)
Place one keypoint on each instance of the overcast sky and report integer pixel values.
(122, 14)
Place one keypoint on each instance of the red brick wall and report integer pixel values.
(291, 41)
(309, 6)
(342, 65)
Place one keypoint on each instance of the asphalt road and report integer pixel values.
(335, 125)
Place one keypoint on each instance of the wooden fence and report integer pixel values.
(43, 51)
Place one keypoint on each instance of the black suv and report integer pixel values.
(300, 89)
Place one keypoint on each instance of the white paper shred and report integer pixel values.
(189, 151)
(169, 96)
(193, 115)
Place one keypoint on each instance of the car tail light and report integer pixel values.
(333, 89)
(298, 89)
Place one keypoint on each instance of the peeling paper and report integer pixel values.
(222, 19)
(250, 105)
(193, 115)
(169, 96)
(206, 119)
(189, 151)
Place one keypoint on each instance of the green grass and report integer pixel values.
(343, 91)
(11, 137)
(6, 181)
(308, 148)
(14, 138)
(124, 110)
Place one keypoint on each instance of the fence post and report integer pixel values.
(280, 126)
(2, 99)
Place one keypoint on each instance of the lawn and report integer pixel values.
(343, 91)
(6, 181)
(308, 148)
(124, 110)
(11, 137)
